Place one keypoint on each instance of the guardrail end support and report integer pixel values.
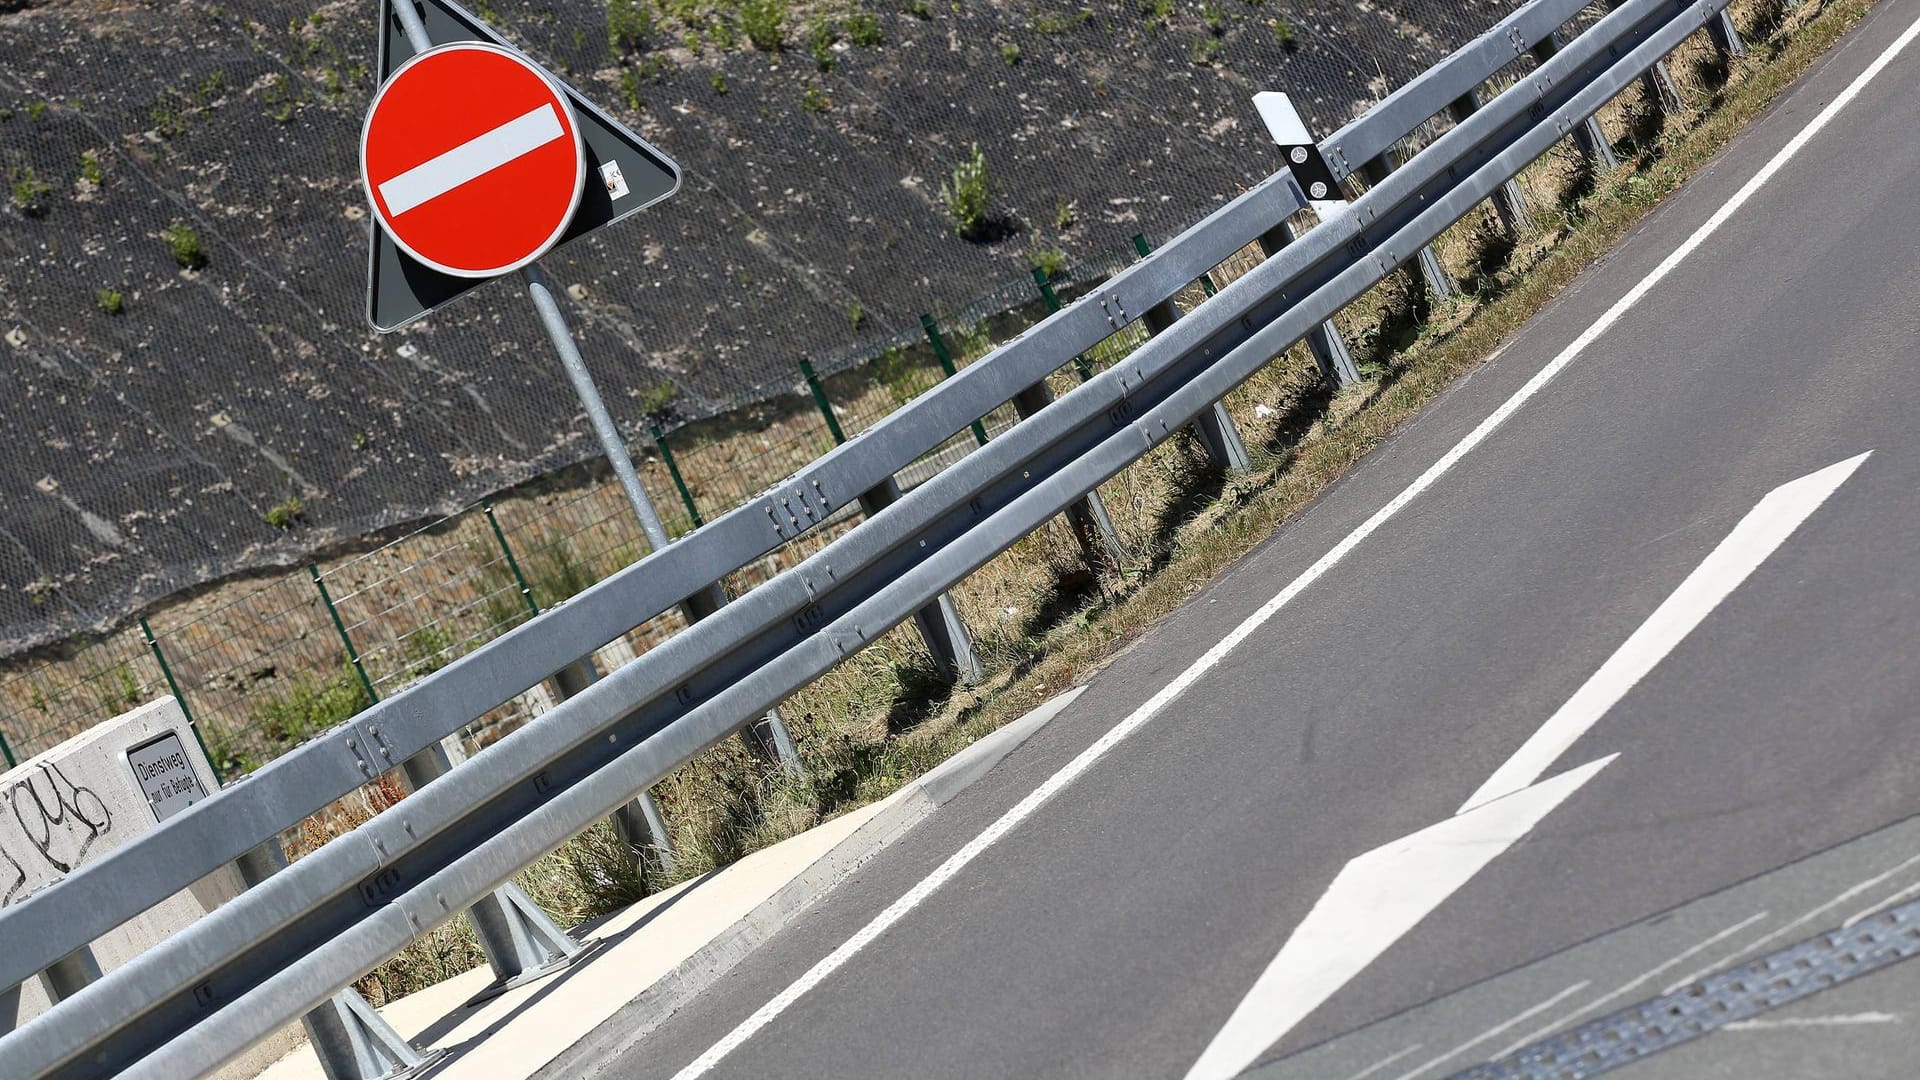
(353, 1042)
(522, 942)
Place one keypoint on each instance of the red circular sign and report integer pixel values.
(472, 159)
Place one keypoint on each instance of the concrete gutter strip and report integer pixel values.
(897, 814)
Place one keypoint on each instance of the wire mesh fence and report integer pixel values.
(138, 230)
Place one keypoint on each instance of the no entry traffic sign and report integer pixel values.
(624, 174)
(472, 160)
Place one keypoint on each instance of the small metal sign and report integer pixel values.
(165, 774)
(624, 174)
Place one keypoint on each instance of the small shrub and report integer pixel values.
(1065, 213)
(310, 707)
(90, 169)
(29, 192)
(109, 301)
(1010, 53)
(897, 374)
(764, 22)
(821, 35)
(920, 9)
(185, 245)
(814, 99)
(1205, 51)
(656, 401)
(863, 29)
(629, 24)
(1283, 34)
(856, 314)
(283, 514)
(967, 197)
(718, 80)
(1051, 261)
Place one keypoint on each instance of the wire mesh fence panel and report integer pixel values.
(417, 604)
(261, 672)
(82, 683)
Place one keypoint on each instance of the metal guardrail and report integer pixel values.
(284, 946)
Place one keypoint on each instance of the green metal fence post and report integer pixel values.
(513, 564)
(673, 470)
(7, 751)
(173, 687)
(945, 357)
(1214, 427)
(1080, 365)
(166, 669)
(820, 399)
(353, 655)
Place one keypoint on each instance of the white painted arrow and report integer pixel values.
(1375, 900)
(1381, 895)
(1758, 535)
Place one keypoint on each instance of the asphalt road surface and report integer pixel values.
(1625, 694)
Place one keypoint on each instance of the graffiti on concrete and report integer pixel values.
(47, 826)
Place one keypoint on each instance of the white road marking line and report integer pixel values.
(1384, 1062)
(1503, 1026)
(1900, 897)
(1788, 1023)
(472, 159)
(1152, 707)
(1373, 902)
(1755, 945)
(1566, 1020)
(1758, 535)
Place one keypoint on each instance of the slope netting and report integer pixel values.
(190, 388)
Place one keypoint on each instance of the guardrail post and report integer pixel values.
(1329, 349)
(521, 942)
(1437, 283)
(1093, 527)
(639, 822)
(1509, 202)
(1726, 36)
(351, 1039)
(1214, 427)
(1589, 137)
(70, 974)
(945, 635)
(945, 356)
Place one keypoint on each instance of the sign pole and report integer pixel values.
(767, 739)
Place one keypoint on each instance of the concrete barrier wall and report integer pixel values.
(91, 794)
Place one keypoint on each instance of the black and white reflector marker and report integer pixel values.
(1297, 145)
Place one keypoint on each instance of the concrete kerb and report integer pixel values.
(769, 890)
(898, 813)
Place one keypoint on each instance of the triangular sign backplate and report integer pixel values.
(399, 289)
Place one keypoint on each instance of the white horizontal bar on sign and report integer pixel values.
(472, 159)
